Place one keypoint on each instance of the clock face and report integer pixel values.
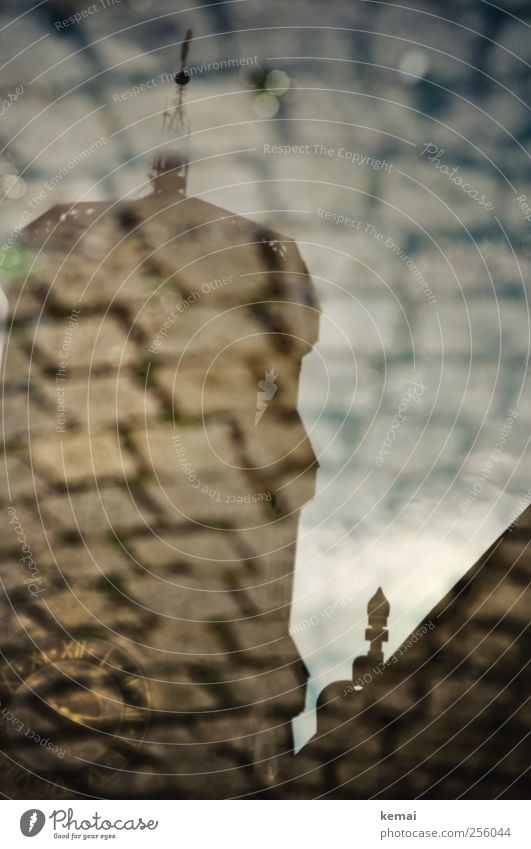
(73, 714)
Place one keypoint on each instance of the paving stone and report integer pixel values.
(279, 443)
(220, 501)
(18, 482)
(204, 330)
(95, 342)
(21, 418)
(17, 365)
(79, 456)
(37, 535)
(173, 550)
(161, 447)
(105, 401)
(195, 393)
(116, 512)
(24, 302)
(87, 566)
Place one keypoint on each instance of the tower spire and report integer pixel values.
(378, 610)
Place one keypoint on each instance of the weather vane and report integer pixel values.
(175, 121)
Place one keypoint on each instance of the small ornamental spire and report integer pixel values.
(364, 667)
(175, 121)
(378, 610)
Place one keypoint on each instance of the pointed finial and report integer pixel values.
(378, 605)
(365, 666)
(378, 609)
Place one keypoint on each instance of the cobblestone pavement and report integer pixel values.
(391, 144)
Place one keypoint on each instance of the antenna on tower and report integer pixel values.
(175, 123)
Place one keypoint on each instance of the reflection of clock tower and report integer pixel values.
(169, 472)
